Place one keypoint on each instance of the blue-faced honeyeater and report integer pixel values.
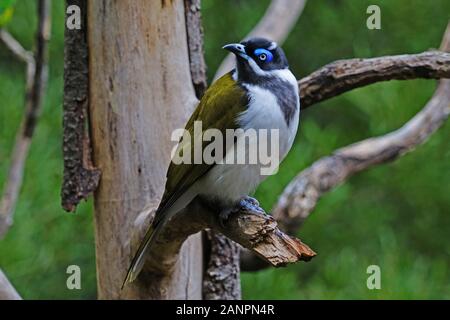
(260, 93)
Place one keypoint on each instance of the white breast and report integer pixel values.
(238, 180)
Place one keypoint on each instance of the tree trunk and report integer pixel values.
(140, 91)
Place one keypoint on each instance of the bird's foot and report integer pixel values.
(246, 203)
(249, 201)
(250, 204)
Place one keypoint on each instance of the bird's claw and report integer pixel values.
(248, 203)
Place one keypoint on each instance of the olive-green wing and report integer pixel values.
(218, 109)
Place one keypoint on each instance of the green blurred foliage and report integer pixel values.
(395, 216)
(6, 11)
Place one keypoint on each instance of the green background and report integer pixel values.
(396, 216)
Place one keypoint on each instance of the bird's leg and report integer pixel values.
(224, 214)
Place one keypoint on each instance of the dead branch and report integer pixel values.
(36, 82)
(81, 178)
(276, 24)
(7, 291)
(248, 225)
(300, 197)
(344, 75)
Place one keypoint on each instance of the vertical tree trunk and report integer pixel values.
(140, 90)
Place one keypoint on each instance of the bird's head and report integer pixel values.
(257, 57)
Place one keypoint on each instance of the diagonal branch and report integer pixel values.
(300, 197)
(276, 24)
(36, 83)
(7, 291)
(344, 75)
(15, 47)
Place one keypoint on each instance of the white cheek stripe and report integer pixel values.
(273, 45)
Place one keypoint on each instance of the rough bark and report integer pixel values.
(195, 44)
(300, 197)
(344, 75)
(248, 225)
(37, 72)
(221, 280)
(140, 91)
(80, 177)
(7, 291)
(276, 24)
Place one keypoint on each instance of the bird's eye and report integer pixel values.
(264, 55)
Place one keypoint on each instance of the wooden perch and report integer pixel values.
(344, 75)
(248, 225)
(276, 24)
(7, 291)
(35, 86)
(300, 197)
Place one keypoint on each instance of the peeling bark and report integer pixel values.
(81, 178)
(248, 225)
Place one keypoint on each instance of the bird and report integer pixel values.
(259, 93)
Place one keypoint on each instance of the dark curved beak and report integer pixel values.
(236, 48)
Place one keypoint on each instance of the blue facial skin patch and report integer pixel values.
(260, 51)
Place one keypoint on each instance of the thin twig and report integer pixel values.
(36, 82)
(15, 47)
